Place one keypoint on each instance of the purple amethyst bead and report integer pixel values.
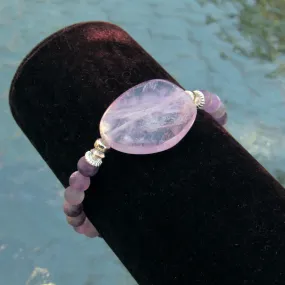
(89, 230)
(72, 210)
(79, 182)
(80, 229)
(85, 168)
(215, 107)
(212, 102)
(223, 120)
(73, 197)
(219, 112)
(76, 221)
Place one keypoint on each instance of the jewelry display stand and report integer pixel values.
(202, 212)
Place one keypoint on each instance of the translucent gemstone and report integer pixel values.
(79, 229)
(215, 107)
(78, 181)
(73, 196)
(88, 229)
(222, 120)
(85, 168)
(72, 210)
(76, 221)
(212, 102)
(148, 118)
(219, 112)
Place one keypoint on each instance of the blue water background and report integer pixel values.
(201, 45)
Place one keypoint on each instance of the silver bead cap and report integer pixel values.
(92, 158)
(197, 97)
(101, 145)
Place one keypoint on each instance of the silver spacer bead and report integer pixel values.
(198, 98)
(97, 153)
(101, 146)
(93, 159)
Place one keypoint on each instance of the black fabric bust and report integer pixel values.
(203, 212)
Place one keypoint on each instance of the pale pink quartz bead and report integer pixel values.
(87, 229)
(151, 117)
(73, 196)
(79, 182)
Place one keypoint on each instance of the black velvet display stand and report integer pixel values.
(203, 212)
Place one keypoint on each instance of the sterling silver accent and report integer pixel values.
(93, 159)
(97, 153)
(197, 97)
(101, 146)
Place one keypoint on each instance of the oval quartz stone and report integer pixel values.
(148, 118)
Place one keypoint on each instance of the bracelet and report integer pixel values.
(150, 117)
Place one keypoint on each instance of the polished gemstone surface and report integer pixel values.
(148, 118)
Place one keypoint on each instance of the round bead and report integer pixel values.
(73, 196)
(76, 221)
(89, 230)
(215, 107)
(79, 182)
(79, 229)
(72, 210)
(212, 102)
(85, 168)
(219, 112)
(223, 120)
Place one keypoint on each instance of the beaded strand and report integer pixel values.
(79, 182)
(89, 165)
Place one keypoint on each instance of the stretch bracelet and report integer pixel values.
(148, 118)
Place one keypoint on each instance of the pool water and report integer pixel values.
(234, 48)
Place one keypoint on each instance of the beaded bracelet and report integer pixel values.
(148, 118)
